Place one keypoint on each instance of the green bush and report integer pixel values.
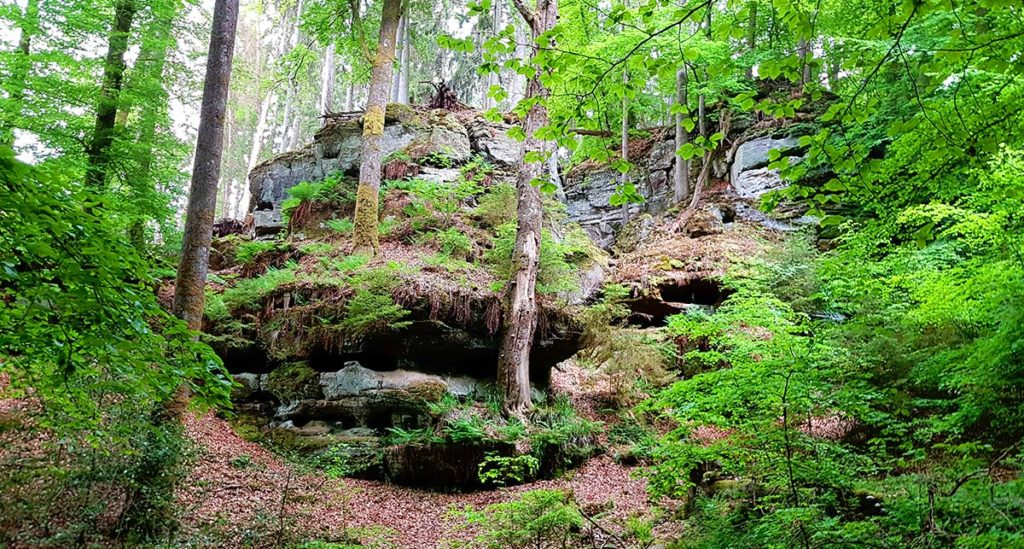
(496, 470)
(454, 243)
(539, 519)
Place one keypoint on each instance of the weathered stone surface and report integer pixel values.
(355, 380)
(588, 198)
(440, 175)
(754, 183)
(749, 174)
(493, 143)
(267, 222)
(249, 386)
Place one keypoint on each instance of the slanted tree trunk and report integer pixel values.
(365, 235)
(106, 108)
(152, 61)
(681, 177)
(521, 307)
(19, 71)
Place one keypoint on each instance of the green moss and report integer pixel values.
(294, 381)
(249, 293)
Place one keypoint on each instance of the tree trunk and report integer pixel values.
(254, 154)
(404, 66)
(202, 199)
(396, 79)
(804, 52)
(521, 307)
(350, 96)
(327, 75)
(751, 33)
(106, 109)
(624, 144)
(365, 235)
(22, 65)
(681, 177)
(151, 64)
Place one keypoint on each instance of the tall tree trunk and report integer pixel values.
(350, 96)
(106, 109)
(681, 177)
(521, 307)
(365, 235)
(404, 65)
(22, 65)
(254, 154)
(152, 61)
(327, 77)
(202, 199)
(751, 33)
(803, 50)
(624, 144)
(702, 98)
(396, 78)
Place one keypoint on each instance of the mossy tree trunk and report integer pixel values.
(365, 234)
(106, 109)
(521, 308)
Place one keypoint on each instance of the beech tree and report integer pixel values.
(106, 109)
(365, 235)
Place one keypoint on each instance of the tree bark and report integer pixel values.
(396, 79)
(365, 235)
(202, 199)
(22, 65)
(404, 65)
(327, 76)
(106, 108)
(521, 306)
(803, 49)
(681, 177)
(624, 144)
(751, 33)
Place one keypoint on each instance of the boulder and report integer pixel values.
(492, 142)
(247, 388)
(749, 173)
(354, 380)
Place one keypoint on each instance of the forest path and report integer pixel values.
(241, 493)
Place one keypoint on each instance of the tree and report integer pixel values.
(20, 71)
(681, 174)
(190, 285)
(365, 233)
(521, 307)
(106, 109)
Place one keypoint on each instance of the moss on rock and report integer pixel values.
(293, 382)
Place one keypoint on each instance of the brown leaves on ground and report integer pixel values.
(247, 495)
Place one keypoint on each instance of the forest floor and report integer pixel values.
(241, 491)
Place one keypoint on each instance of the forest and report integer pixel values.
(512, 273)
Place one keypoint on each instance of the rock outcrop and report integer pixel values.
(434, 137)
(749, 174)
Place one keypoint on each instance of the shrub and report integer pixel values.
(454, 243)
(539, 519)
(496, 470)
